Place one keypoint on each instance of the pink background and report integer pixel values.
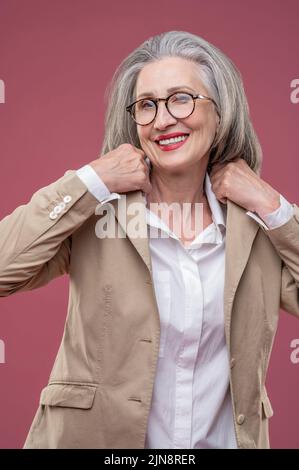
(56, 59)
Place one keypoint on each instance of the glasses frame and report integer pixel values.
(156, 101)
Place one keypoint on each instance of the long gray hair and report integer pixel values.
(235, 136)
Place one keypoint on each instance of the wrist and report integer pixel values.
(269, 206)
(99, 167)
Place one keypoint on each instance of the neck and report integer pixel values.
(187, 186)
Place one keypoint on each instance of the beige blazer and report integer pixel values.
(100, 388)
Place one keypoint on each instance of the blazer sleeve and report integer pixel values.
(286, 242)
(35, 246)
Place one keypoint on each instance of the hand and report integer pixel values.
(239, 183)
(123, 169)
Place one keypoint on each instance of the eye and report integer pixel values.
(146, 104)
(180, 98)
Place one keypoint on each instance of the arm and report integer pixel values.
(286, 242)
(285, 239)
(35, 239)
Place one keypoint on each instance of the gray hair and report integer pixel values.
(235, 136)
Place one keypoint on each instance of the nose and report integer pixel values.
(163, 118)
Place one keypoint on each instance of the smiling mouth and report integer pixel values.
(172, 143)
(172, 140)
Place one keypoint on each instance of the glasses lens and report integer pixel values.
(180, 105)
(144, 111)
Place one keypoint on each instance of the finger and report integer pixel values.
(141, 152)
(216, 178)
(216, 169)
(147, 186)
(223, 200)
(218, 191)
(147, 182)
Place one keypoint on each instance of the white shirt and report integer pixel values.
(191, 403)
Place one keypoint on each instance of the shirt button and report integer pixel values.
(232, 362)
(57, 210)
(67, 199)
(62, 205)
(240, 419)
(53, 216)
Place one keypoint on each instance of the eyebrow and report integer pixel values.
(170, 90)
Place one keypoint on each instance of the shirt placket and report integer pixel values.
(193, 319)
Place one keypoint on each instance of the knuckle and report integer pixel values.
(143, 176)
(126, 146)
(225, 182)
(140, 154)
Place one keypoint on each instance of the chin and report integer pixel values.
(175, 164)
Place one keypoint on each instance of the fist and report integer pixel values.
(237, 182)
(123, 169)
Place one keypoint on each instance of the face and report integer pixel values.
(156, 78)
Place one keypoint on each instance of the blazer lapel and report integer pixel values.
(240, 234)
(130, 211)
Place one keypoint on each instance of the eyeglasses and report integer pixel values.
(179, 105)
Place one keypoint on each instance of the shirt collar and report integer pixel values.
(218, 215)
(218, 211)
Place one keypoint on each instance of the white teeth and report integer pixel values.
(173, 140)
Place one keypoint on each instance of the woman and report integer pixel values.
(168, 337)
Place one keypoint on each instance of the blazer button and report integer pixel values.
(57, 210)
(67, 199)
(232, 362)
(240, 419)
(53, 216)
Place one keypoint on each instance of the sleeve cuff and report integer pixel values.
(95, 185)
(277, 218)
